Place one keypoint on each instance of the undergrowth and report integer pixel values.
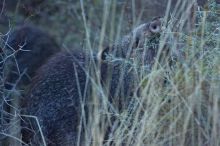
(177, 103)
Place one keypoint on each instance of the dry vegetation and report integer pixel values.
(177, 104)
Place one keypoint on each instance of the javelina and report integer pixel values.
(29, 48)
(22, 52)
(62, 93)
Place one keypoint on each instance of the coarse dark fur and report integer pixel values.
(23, 51)
(63, 88)
(28, 48)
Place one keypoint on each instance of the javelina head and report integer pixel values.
(141, 45)
(146, 32)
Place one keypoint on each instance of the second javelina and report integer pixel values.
(23, 50)
(29, 48)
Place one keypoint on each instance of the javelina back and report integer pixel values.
(63, 88)
(29, 48)
(23, 51)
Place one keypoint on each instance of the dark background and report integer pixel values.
(63, 18)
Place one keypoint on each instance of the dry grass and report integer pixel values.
(184, 110)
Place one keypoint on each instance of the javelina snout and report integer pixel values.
(147, 43)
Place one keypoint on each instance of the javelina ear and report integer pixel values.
(102, 55)
(156, 25)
